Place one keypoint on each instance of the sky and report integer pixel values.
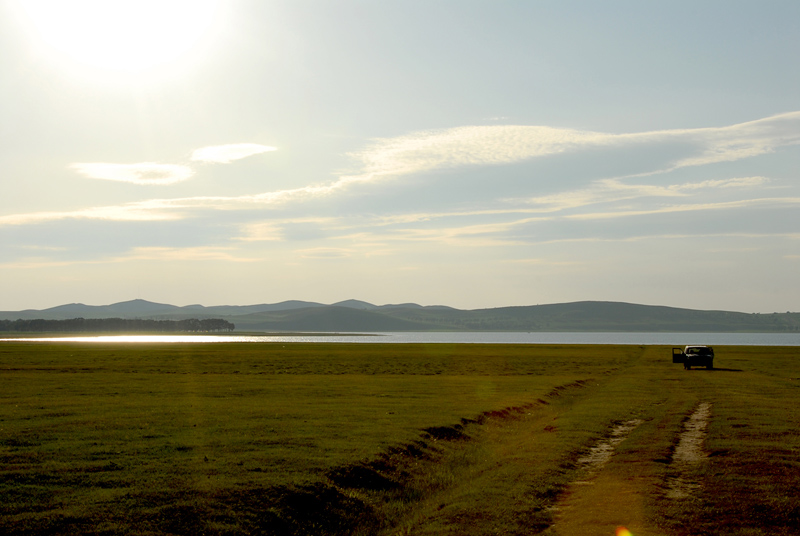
(452, 152)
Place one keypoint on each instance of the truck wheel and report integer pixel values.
(710, 366)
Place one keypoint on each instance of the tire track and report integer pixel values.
(688, 453)
(590, 466)
(601, 453)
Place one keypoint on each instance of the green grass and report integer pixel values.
(752, 479)
(387, 439)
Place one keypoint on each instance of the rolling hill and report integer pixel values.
(359, 316)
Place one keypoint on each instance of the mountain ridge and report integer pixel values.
(361, 316)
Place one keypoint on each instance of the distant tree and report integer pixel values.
(82, 325)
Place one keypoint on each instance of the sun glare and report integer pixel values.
(122, 35)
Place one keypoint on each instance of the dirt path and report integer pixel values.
(600, 454)
(689, 453)
(581, 494)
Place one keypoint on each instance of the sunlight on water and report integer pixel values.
(135, 338)
(675, 339)
(204, 338)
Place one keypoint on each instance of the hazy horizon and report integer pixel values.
(462, 153)
(393, 304)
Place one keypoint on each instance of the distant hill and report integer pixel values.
(360, 316)
(146, 309)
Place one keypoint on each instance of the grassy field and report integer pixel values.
(387, 439)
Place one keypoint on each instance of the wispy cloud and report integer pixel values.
(601, 192)
(743, 140)
(471, 145)
(262, 232)
(661, 236)
(171, 254)
(610, 190)
(225, 154)
(143, 173)
(473, 235)
(741, 182)
(151, 173)
(274, 230)
(451, 148)
(324, 253)
(542, 262)
(168, 209)
(726, 205)
(203, 253)
(144, 211)
(502, 144)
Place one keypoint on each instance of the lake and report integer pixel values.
(675, 339)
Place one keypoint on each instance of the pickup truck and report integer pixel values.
(694, 356)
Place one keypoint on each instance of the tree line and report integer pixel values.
(73, 325)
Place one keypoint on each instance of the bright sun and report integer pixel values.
(122, 35)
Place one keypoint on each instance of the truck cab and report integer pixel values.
(694, 356)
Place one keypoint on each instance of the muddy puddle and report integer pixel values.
(688, 453)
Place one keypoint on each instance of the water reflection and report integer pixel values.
(204, 338)
(675, 339)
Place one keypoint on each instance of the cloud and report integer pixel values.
(726, 205)
(742, 182)
(261, 232)
(202, 253)
(324, 253)
(169, 209)
(151, 173)
(542, 262)
(609, 190)
(276, 229)
(225, 154)
(743, 140)
(504, 144)
(143, 211)
(471, 235)
(144, 173)
(170, 254)
(451, 148)
(605, 191)
(470, 145)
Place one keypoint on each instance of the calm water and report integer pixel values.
(676, 339)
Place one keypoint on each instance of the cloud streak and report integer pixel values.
(324, 253)
(151, 173)
(159, 254)
(505, 144)
(225, 154)
(131, 212)
(743, 203)
(202, 253)
(146, 173)
(453, 148)
(610, 190)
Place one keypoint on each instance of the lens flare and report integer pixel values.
(622, 531)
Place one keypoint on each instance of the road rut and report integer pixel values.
(688, 453)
